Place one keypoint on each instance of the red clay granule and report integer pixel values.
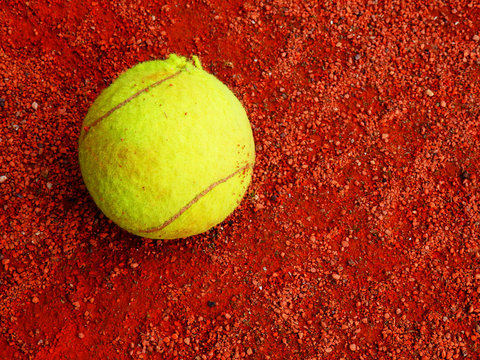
(359, 237)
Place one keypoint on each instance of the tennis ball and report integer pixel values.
(166, 151)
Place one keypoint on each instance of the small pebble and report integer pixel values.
(81, 335)
(336, 276)
(3, 178)
(35, 300)
(353, 347)
(34, 105)
(429, 92)
(476, 37)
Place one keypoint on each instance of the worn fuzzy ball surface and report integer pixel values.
(166, 151)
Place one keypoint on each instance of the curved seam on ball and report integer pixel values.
(126, 101)
(195, 200)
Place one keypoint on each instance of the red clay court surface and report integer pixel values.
(358, 238)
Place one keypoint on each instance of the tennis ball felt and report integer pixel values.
(166, 151)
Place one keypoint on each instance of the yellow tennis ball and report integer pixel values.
(166, 151)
